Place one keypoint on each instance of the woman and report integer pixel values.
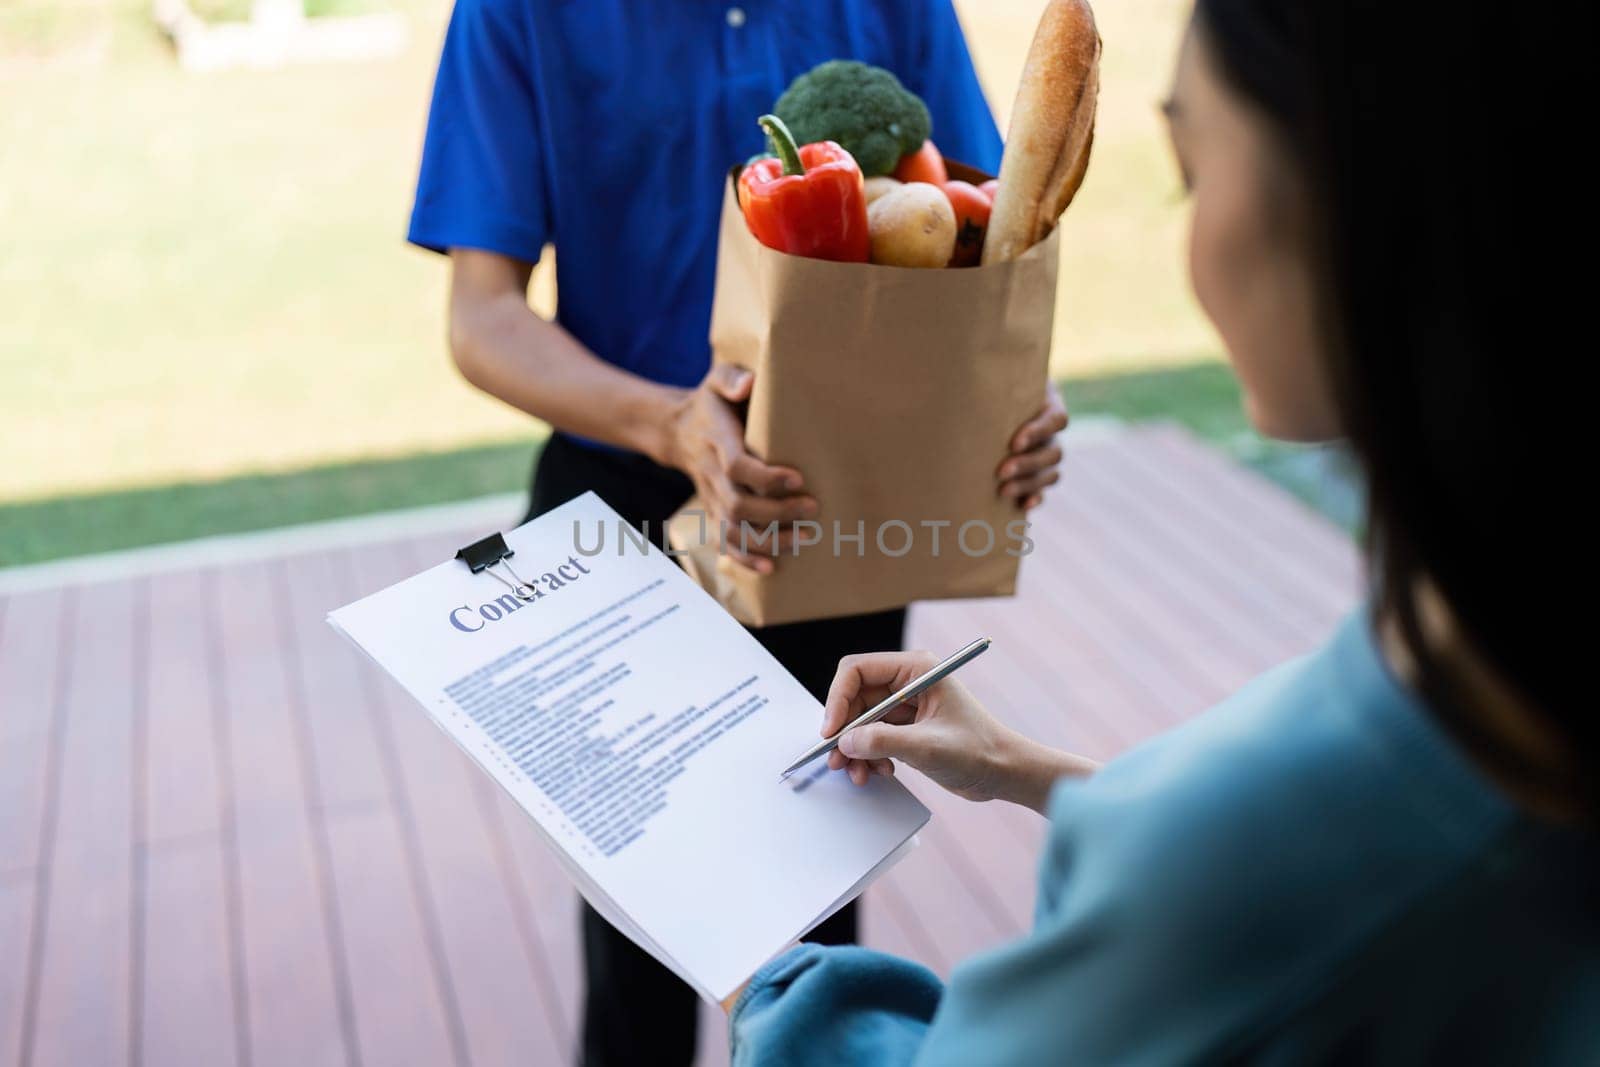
(1385, 852)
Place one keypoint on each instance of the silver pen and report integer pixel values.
(941, 670)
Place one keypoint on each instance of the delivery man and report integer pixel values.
(605, 129)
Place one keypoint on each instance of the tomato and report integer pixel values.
(923, 165)
(972, 220)
(989, 188)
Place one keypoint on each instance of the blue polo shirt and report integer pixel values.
(606, 128)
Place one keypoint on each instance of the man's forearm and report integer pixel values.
(504, 348)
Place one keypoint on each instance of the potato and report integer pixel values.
(912, 226)
(876, 187)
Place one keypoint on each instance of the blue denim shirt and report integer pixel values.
(1310, 872)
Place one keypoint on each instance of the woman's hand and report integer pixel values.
(707, 443)
(1035, 458)
(944, 733)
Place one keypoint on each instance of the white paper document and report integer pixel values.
(643, 730)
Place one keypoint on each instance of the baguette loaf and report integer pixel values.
(1052, 128)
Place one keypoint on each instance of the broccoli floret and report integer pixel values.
(864, 108)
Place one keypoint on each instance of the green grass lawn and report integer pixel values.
(1204, 398)
(239, 10)
(212, 322)
(205, 274)
(35, 531)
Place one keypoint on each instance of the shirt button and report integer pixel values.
(735, 17)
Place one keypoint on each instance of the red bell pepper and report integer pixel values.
(808, 201)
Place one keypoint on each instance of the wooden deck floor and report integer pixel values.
(226, 839)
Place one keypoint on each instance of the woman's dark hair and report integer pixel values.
(1443, 186)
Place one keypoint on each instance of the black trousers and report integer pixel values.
(635, 1011)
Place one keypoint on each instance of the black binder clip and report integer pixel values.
(493, 551)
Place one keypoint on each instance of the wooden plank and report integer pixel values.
(30, 641)
(222, 708)
(312, 775)
(546, 904)
(343, 750)
(16, 917)
(1148, 638)
(988, 855)
(988, 906)
(911, 888)
(30, 644)
(1137, 539)
(423, 552)
(1077, 669)
(1041, 690)
(1196, 635)
(382, 943)
(187, 1008)
(500, 995)
(1099, 621)
(1282, 537)
(936, 883)
(189, 988)
(81, 972)
(37, 661)
(552, 907)
(1086, 638)
(711, 1045)
(1177, 454)
(884, 926)
(1279, 516)
(397, 1006)
(1233, 521)
(987, 874)
(290, 1010)
(1213, 550)
(989, 863)
(1049, 709)
(1209, 634)
(1164, 579)
(401, 895)
(495, 985)
(892, 926)
(181, 770)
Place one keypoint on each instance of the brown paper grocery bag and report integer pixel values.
(895, 393)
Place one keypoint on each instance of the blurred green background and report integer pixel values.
(211, 322)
